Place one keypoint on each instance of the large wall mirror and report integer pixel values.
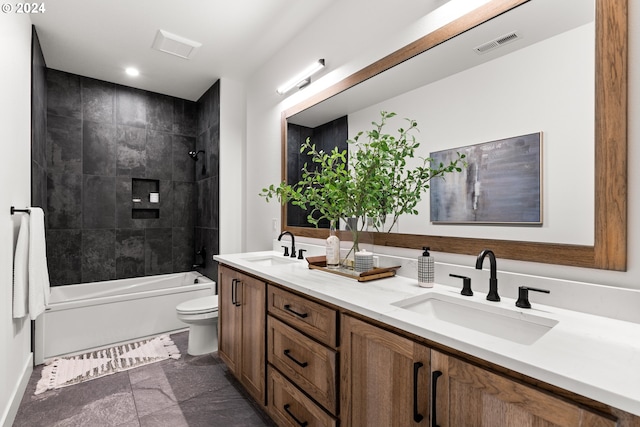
(563, 74)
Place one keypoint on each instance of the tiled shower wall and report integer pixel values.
(100, 137)
(326, 137)
(38, 124)
(207, 177)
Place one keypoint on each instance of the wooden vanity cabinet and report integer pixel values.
(241, 326)
(302, 377)
(384, 379)
(467, 395)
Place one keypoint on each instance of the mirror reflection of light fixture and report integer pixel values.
(303, 79)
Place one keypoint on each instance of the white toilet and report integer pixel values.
(201, 314)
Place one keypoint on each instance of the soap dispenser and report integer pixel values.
(426, 269)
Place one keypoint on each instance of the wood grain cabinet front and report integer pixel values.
(242, 327)
(315, 320)
(467, 395)
(384, 378)
(290, 407)
(307, 363)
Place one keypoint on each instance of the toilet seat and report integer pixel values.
(196, 306)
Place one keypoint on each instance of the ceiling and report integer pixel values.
(100, 38)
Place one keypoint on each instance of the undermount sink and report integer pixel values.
(271, 260)
(500, 322)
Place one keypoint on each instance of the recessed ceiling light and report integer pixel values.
(133, 72)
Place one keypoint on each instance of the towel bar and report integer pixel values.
(14, 210)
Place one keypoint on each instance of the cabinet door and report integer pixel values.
(252, 301)
(229, 319)
(384, 377)
(467, 395)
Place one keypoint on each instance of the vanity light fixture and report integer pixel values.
(133, 72)
(303, 78)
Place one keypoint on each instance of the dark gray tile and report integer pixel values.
(208, 238)
(159, 112)
(38, 101)
(64, 256)
(184, 204)
(183, 249)
(98, 149)
(159, 155)
(203, 214)
(85, 404)
(213, 151)
(64, 144)
(64, 200)
(158, 257)
(131, 106)
(131, 157)
(185, 116)
(98, 255)
(124, 204)
(183, 165)
(202, 168)
(63, 94)
(38, 186)
(208, 211)
(98, 100)
(209, 108)
(129, 253)
(99, 202)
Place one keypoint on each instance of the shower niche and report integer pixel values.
(145, 203)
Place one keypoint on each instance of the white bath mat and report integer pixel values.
(70, 370)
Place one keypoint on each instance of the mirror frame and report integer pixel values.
(609, 251)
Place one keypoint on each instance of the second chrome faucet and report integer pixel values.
(493, 278)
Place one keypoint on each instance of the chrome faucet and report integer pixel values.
(293, 243)
(493, 279)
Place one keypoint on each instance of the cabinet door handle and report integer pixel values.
(417, 417)
(434, 387)
(301, 424)
(301, 364)
(236, 302)
(301, 315)
(233, 291)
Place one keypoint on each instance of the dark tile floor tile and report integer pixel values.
(191, 391)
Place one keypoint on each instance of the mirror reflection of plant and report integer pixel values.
(377, 183)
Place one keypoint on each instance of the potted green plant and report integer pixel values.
(372, 186)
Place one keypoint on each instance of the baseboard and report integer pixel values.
(10, 412)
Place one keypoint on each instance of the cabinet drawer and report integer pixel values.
(288, 406)
(310, 365)
(312, 318)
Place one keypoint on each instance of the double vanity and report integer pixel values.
(319, 349)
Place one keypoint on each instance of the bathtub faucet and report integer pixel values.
(203, 253)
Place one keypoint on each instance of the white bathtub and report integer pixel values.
(90, 315)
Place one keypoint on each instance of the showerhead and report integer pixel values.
(194, 154)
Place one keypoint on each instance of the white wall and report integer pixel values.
(232, 155)
(546, 87)
(348, 44)
(15, 184)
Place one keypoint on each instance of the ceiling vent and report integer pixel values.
(175, 45)
(496, 43)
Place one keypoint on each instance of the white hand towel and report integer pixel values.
(20, 270)
(39, 290)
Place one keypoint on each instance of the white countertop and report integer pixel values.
(593, 356)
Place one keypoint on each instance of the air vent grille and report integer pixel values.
(497, 42)
(175, 45)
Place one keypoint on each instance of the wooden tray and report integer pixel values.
(320, 263)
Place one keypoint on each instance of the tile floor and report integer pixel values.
(191, 391)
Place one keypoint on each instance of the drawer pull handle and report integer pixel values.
(301, 315)
(417, 417)
(301, 424)
(434, 388)
(301, 364)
